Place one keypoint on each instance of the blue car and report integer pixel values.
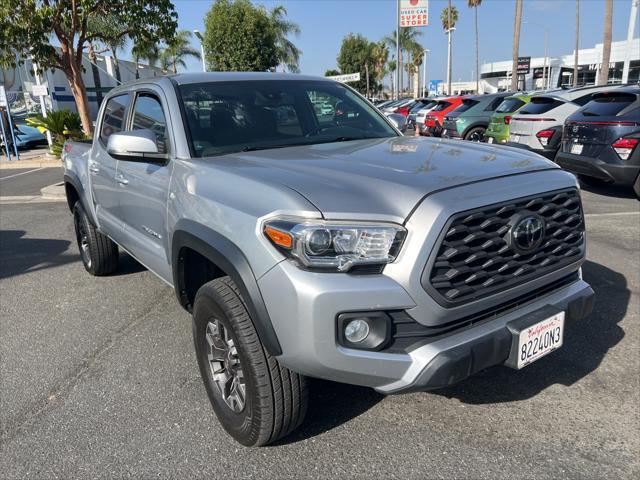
(28, 137)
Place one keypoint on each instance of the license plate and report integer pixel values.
(515, 138)
(489, 139)
(576, 148)
(539, 339)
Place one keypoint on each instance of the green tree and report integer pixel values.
(178, 48)
(331, 72)
(288, 53)
(475, 4)
(239, 37)
(147, 51)
(408, 37)
(30, 26)
(356, 56)
(108, 36)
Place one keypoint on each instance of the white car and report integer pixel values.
(538, 125)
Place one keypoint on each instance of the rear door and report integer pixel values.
(143, 186)
(103, 167)
(537, 115)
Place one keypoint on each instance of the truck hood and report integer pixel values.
(381, 178)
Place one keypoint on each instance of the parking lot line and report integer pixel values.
(612, 214)
(21, 173)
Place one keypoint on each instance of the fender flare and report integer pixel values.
(229, 258)
(72, 179)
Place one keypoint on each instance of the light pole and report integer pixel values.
(424, 72)
(449, 31)
(398, 66)
(199, 37)
(545, 71)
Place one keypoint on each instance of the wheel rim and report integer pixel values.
(83, 241)
(225, 366)
(476, 136)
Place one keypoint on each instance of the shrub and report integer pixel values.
(61, 124)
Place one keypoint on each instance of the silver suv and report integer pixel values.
(329, 246)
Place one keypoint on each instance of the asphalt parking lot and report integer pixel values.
(98, 379)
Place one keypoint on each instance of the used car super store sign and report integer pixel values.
(414, 13)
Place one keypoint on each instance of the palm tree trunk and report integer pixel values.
(449, 50)
(516, 45)
(399, 66)
(366, 72)
(477, 52)
(603, 78)
(575, 54)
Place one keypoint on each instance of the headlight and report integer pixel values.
(336, 246)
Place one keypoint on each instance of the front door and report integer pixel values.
(103, 168)
(143, 189)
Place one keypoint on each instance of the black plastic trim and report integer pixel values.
(230, 259)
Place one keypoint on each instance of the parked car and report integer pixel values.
(470, 120)
(600, 141)
(399, 106)
(421, 115)
(538, 125)
(435, 118)
(26, 137)
(498, 129)
(421, 105)
(327, 250)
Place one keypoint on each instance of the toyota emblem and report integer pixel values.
(527, 233)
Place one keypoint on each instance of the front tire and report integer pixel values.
(476, 134)
(256, 400)
(98, 252)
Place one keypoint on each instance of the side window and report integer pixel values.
(583, 100)
(148, 114)
(494, 104)
(113, 118)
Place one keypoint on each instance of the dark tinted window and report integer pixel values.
(148, 114)
(113, 119)
(226, 117)
(539, 105)
(466, 105)
(509, 105)
(493, 104)
(441, 106)
(420, 104)
(608, 104)
(583, 100)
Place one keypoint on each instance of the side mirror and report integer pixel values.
(135, 146)
(399, 121)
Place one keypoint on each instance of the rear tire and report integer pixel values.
(256, 400)
(476, 134)
(98, 252)
(636, 187)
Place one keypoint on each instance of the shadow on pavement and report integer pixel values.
(330, 405)
(20, 255)
(609, 190)
(586, 343)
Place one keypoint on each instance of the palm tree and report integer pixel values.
(392, 65)
(379, 57)
(148, 51)
(517, 21)
(288, 53)
(417, 55)
(449, 18)
(475, 4)
(178, 48)
(603, 77)
(575, 53)
(408, 37)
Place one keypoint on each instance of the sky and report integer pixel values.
(324, 23)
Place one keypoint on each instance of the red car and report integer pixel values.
(435, 118)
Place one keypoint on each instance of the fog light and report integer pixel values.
(356, 330)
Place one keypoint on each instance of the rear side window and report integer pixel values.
(441, 106)
(466, 105)
(114, 116)
(493, 104)
(420, 104)
(608, 104)
(148, 114)
(540, 105)
(509, 105)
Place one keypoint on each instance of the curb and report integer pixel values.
(54, 192)
(44, 161)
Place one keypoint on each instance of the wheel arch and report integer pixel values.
(191, 238)
(484, 125)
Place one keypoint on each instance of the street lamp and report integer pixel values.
(545, 72)
(199, 36)
(424, 72)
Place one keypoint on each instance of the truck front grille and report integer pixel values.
(477, 254)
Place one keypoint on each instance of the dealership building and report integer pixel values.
(496, 76)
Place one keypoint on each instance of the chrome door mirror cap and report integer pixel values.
(135, 143)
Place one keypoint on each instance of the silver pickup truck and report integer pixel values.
(310, 242)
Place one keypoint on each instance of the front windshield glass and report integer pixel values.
(237, 116)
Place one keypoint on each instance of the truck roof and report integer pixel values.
(187, 78)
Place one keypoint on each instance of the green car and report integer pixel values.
(498, 129)
(470, 120)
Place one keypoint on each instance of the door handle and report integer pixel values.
(93, 168)
(121, 179)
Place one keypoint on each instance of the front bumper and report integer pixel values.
(622, 173)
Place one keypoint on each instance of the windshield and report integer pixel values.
(227, 117)
(509, 105)
(539, 105)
